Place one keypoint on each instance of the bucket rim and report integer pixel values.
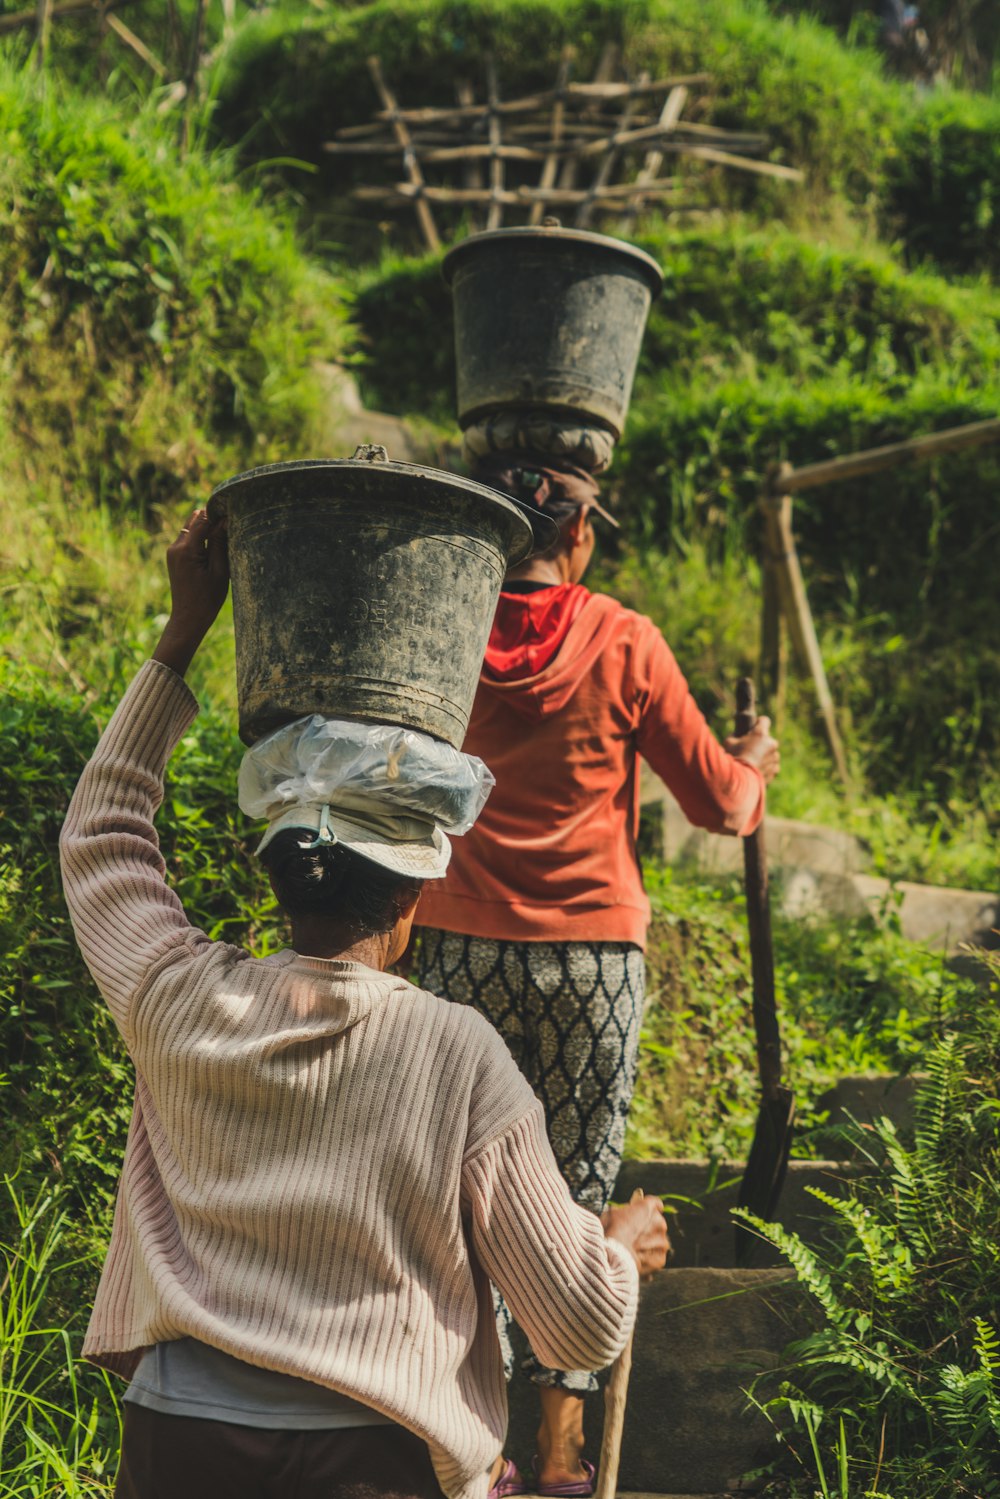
(542, 234)
(526, 539)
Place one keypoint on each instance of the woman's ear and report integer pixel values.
(577, 528)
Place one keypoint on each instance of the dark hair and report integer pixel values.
(331, 880)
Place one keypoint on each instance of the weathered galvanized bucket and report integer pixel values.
(549, 319)
(364, 589)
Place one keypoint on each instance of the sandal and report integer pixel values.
(580, 1488)
(509, 1483)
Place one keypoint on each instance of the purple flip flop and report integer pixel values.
(509, 1483)
(582, 1488)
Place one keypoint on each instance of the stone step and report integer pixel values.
(701, 1229)
(701, 1336)
(823, 872)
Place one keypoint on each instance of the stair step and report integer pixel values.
(701, 1336)
(703, 1236)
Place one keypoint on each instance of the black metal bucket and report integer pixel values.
(364, 589)
(549, 319)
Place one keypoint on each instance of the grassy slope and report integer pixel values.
(927, 168)
(158, 327)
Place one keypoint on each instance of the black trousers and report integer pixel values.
(184, 1457)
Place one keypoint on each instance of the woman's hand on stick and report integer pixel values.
(198, 568)
(642, 1228)
(759, 748)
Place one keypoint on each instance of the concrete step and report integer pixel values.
(701, 1337)
(823, 872)
(701, 1228)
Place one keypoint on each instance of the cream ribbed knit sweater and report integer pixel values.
(325, 1165)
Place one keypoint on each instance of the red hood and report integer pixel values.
(542, 645)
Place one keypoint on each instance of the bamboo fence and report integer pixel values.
(591, 150)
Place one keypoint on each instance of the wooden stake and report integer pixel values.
(473, 176)
(606, 166)
(795, 606)
(494, 217)
(410, 163)
(43, 17)
(128, 36)
(772, 637)
(669, 115)
(605, 67)
(874, 460)
(551, 165)
(615, 1398)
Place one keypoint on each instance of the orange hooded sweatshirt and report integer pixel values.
(553, 857)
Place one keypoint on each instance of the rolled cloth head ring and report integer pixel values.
(556, 489)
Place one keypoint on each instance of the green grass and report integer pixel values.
(59, 1430)
(158, 325)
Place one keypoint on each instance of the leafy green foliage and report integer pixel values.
(945, 181)
(907, 1353)
(68, 1090)
(157, 324)
(852, 999)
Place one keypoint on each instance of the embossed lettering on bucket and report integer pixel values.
(364, 589)
(549, 319)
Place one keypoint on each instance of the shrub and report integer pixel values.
(67, 1095)
(906, 1357)
(944, 181)
(157, 323)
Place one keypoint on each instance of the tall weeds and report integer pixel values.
(55, 1437)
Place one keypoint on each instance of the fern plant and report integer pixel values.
(898, 1387)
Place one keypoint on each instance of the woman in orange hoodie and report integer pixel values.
(541, 920)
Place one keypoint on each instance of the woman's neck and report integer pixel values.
(317, 939)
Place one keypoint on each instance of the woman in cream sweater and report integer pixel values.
(326, 1166)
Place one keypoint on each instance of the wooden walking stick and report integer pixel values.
(615, 1396)
(768, 1161)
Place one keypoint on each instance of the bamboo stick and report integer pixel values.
(128, 36)
(670, 114)
(412, 166)
(620, 138)
(874, 460)
(745, 163)
(443, 153)
(605, 67)
(473, 173)
(551, 163)
(494, 216)
(557, 196)
(600, 91)
(431, 148)
(57, 12)
(795, 607)
(43, 20)
(605, 166)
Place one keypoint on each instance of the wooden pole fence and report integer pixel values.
(410, 162)
(590, 93)
(874, 460)
(559, 197)
(552, 154)
(784, 594)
